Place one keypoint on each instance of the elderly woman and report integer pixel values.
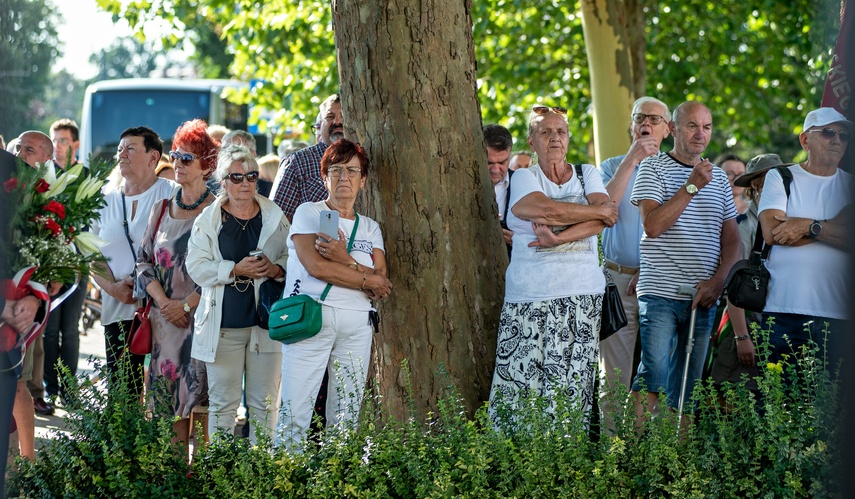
(343, 344)
(227, 337)
(549, 327)
(176, 383)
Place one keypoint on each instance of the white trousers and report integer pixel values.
(342, 347)
(617, 353)
(225, 377)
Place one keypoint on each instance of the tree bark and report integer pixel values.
(407, 72)
(612, 86)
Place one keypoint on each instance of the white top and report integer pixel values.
(689, 251)
(540, 274)
(307, 220)
(501, 190)
(810, 279)
(117, 250)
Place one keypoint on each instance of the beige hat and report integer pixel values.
(758, 166)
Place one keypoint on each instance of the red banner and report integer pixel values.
(841, 77)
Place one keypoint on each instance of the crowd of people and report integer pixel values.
(198, 230)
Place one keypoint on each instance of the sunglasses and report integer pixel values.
(655, 119)
(185, 157)
(237, 178)
(541, 110)
(829, 133)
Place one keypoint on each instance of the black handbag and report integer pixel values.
(748, 280)
(269, 293)
(614, 316)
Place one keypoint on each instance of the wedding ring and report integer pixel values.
(323, 251)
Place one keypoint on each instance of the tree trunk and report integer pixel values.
(612, 86)
(407, 72)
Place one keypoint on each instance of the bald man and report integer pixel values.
(34, 147)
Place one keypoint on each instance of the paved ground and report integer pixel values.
(91, 345)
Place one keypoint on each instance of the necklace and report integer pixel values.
(194, 205)
(242, 225)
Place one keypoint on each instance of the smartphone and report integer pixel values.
(256, 253)
(329, 223)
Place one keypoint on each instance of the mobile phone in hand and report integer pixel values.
(256, 253)
(329, 224)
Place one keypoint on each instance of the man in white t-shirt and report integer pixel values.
(809, 264)
(690, 238)
(122, 223)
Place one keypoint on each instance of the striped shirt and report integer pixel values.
(688, 252)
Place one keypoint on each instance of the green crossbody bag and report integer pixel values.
(298, 317)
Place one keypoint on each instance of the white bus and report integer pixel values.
(161, 104)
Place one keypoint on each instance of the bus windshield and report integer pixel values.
(161, 110)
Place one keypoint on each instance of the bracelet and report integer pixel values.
(362, 288)
(742, 338)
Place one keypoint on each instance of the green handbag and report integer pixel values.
(299, 317)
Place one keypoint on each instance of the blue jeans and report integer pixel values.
(792, 331)
(664, 332)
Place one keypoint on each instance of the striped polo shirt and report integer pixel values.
(689, 251)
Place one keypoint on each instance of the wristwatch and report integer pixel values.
(815, 229)
(186, 306)
(692, 189)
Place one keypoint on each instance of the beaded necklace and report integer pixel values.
(194, 205)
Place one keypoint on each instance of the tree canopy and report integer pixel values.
(759, 66)
(28, 47)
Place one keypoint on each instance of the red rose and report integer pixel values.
(10, 184)
(42, 186)
(56, 207)
(53, 226)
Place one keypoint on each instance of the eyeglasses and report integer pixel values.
(237, 178)
(541, 110)
(829, 133)
(655, 119)
(185, 157)
(339, 171)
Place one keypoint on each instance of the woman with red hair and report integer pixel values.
(345, 270)
(176, 383)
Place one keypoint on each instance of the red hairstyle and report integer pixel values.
(342, 151)
(193, 135)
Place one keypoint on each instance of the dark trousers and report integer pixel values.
(792, 331)
(116, 338)
(8, 387)
(62, 339)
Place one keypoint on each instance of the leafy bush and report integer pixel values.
(781, 441)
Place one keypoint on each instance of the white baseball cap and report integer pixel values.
(825, 116)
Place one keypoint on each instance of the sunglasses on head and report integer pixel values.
(185, 157)
(829, 133)
(237, 178)
(547, 109)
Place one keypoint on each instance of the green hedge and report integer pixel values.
(781, 442)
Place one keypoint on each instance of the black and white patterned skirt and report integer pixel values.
(548, 347)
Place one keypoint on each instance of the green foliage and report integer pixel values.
(28, 47)
(782, 441)
(111, 450)
(759, 66)
(125, 58)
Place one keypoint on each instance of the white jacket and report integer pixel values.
(206, 266)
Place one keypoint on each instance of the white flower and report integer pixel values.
(88, 243)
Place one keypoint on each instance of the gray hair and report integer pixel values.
(534, 119)
(239, 137)
(229, 155)
(644, 100)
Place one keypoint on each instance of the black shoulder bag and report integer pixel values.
(748, 280)
(614, 316)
